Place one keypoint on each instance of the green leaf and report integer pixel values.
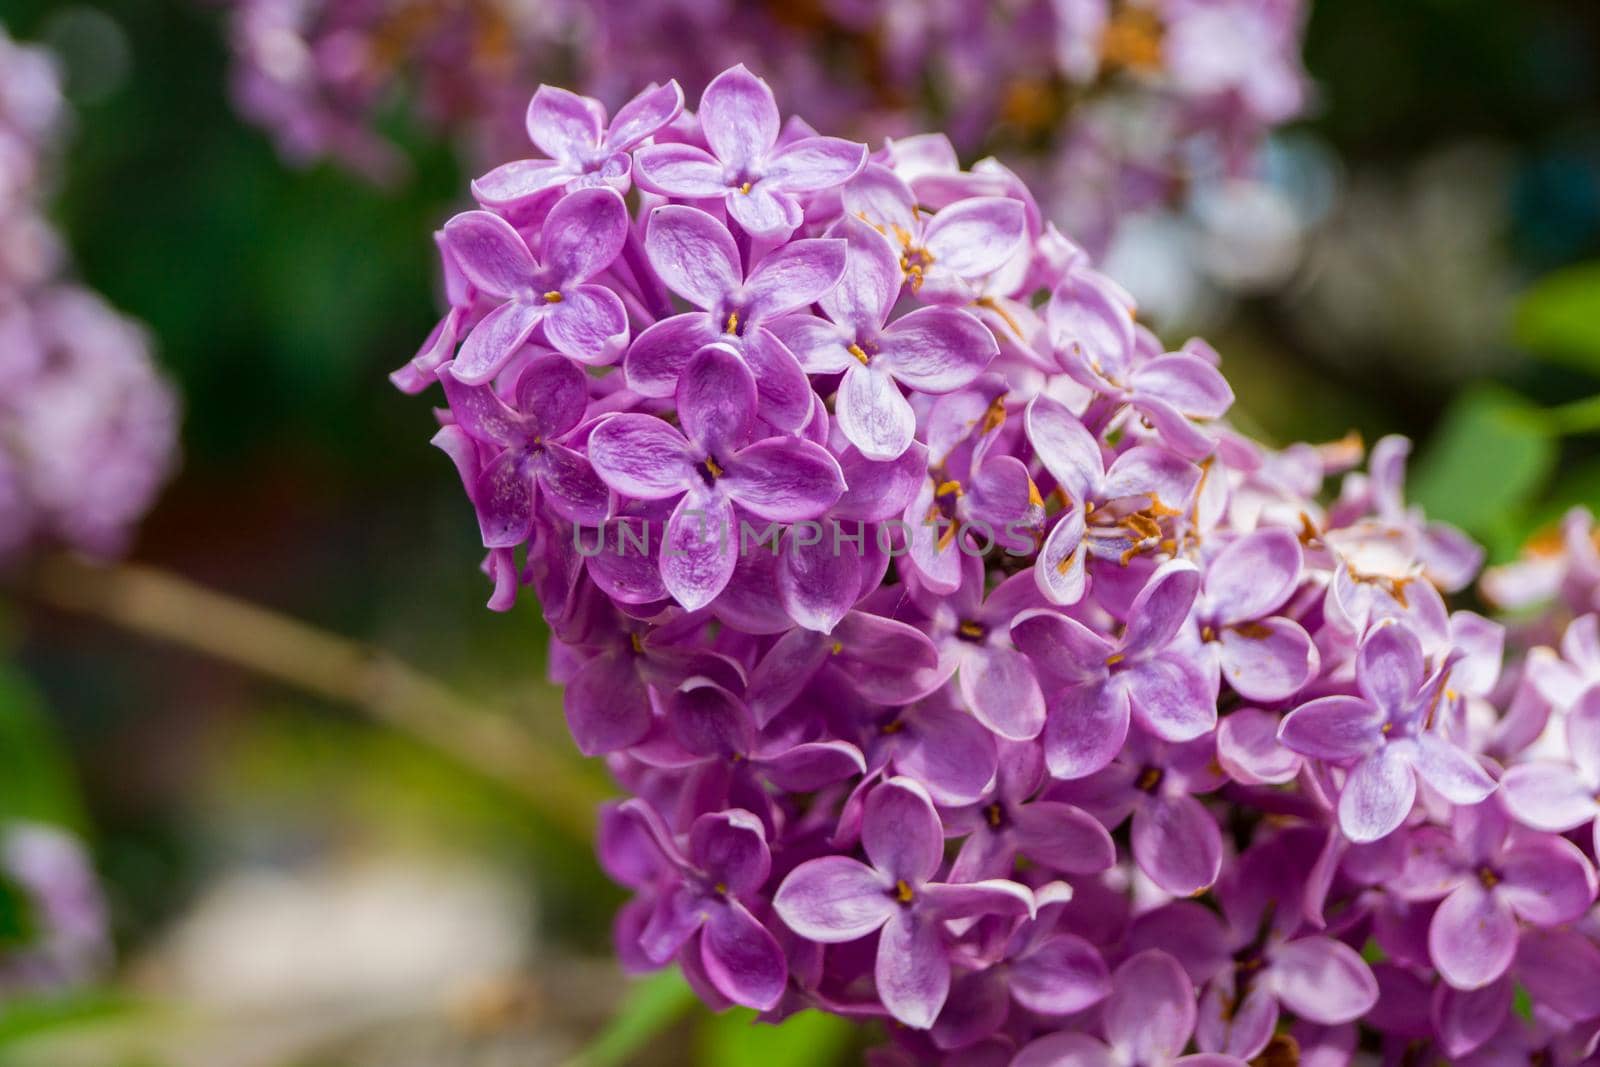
(1486, 462)
(36, 780)
(651, 1007)
(1559, 317)
(30, 1016)
(809, 1039)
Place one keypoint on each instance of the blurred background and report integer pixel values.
(293, 881)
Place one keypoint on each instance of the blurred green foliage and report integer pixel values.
(1559, 317)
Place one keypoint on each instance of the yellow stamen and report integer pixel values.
(995, 416)
(838, 647)
(1115, 658)
(637, 642)
(552, 297)
(1034, 499)
(733, 323)
(713, 467)
(949, 488)
(859, 353)
(993, 814)
(971, 629)
(745, 188)
(902, 892)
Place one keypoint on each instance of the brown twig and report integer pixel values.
(167, 607)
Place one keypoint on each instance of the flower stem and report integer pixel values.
(167, 607)
(1580, 416)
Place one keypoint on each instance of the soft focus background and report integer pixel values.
(292, 882)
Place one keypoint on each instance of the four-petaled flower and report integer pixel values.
(758, 180)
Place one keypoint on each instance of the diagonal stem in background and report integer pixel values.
(167, 607)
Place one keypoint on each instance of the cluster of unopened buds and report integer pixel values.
(1119, 105)
(967, 670)
(88, 428)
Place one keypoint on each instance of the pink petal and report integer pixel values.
(1549, 796)
(951, 753)
(764, 211)
(1466, 1019)
(1546, 880)
(871, 282)
(563, 124)
(607, 706)
(818, 582)
(589, 324)
(678, 170)
(813, 164)
(1160, 609)
(656, 359)
(784, 479)
(716, 400)
(1269, 660)
(1065, 1049)
(1253, 575)
(1068, 451)
(1084, 729)
(515, 183)
(642, 116)
(1060, 571)
(976, 236)
(999, 686)
(494, 340)
(1063, 838)
(1457, 776)
(937, 349)
(1248, 749)
(1390, 667)
(793, 277)
(1171, 697)
(1190, 384)
(742, 958)
(1333, 728)
(1062, 975)
(641, 457)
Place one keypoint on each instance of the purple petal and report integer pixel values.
(834, 899)
(571, 487)
(1062, 838)
(1546, 880)
(479, 410)
(678, 170)
(819, 346)
(1233, 1026)
(871, 282)
(784, 479)
(873, 414)
(494, 340)
(1171, 697)
(1190, 384)
(784, 671)
(701, 549)
(742, 958)
(553, 393)
(490, 253)
(1377, 795)
(739, 117)
(563, 124)
(658, 355)
(1269, 660)
(1062, 975)
(1060, 571)
(951, 753)
(708, 720)
(1144, 470)
(1333, 728)
(815, 163)
(999, 686)
(809, 767)
(975, 899)
(1068, 451)
(1472, 938)
(876, 491)
(1323, 980)
(937, 349)
(976, 236)
(717, 400)
(1065, 1049)
(1062, 648)
(503, 497)
(730, 847)
(1253, 576)
(677, 916)
(885, 659)
(1549, 796)
(1457, 776)
(913, 969)
(641, 457)
(1151, 1012)
(818, 582)
(1390, 667)
(694, 254)
(1465, 1019)
(764, 211)
(583, 235)
(1248, 749)
(643, 116)
(515, 183)
(901, 831)
(1583, 733)
(1160, 609)
(1561, 969)
(796, 275)
(1084, 729)
(607, 706)
(786, 397)
(1176, 842)
(589, 324)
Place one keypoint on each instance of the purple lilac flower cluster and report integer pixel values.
(1119, 105)
(87, 426)
(967, 669)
